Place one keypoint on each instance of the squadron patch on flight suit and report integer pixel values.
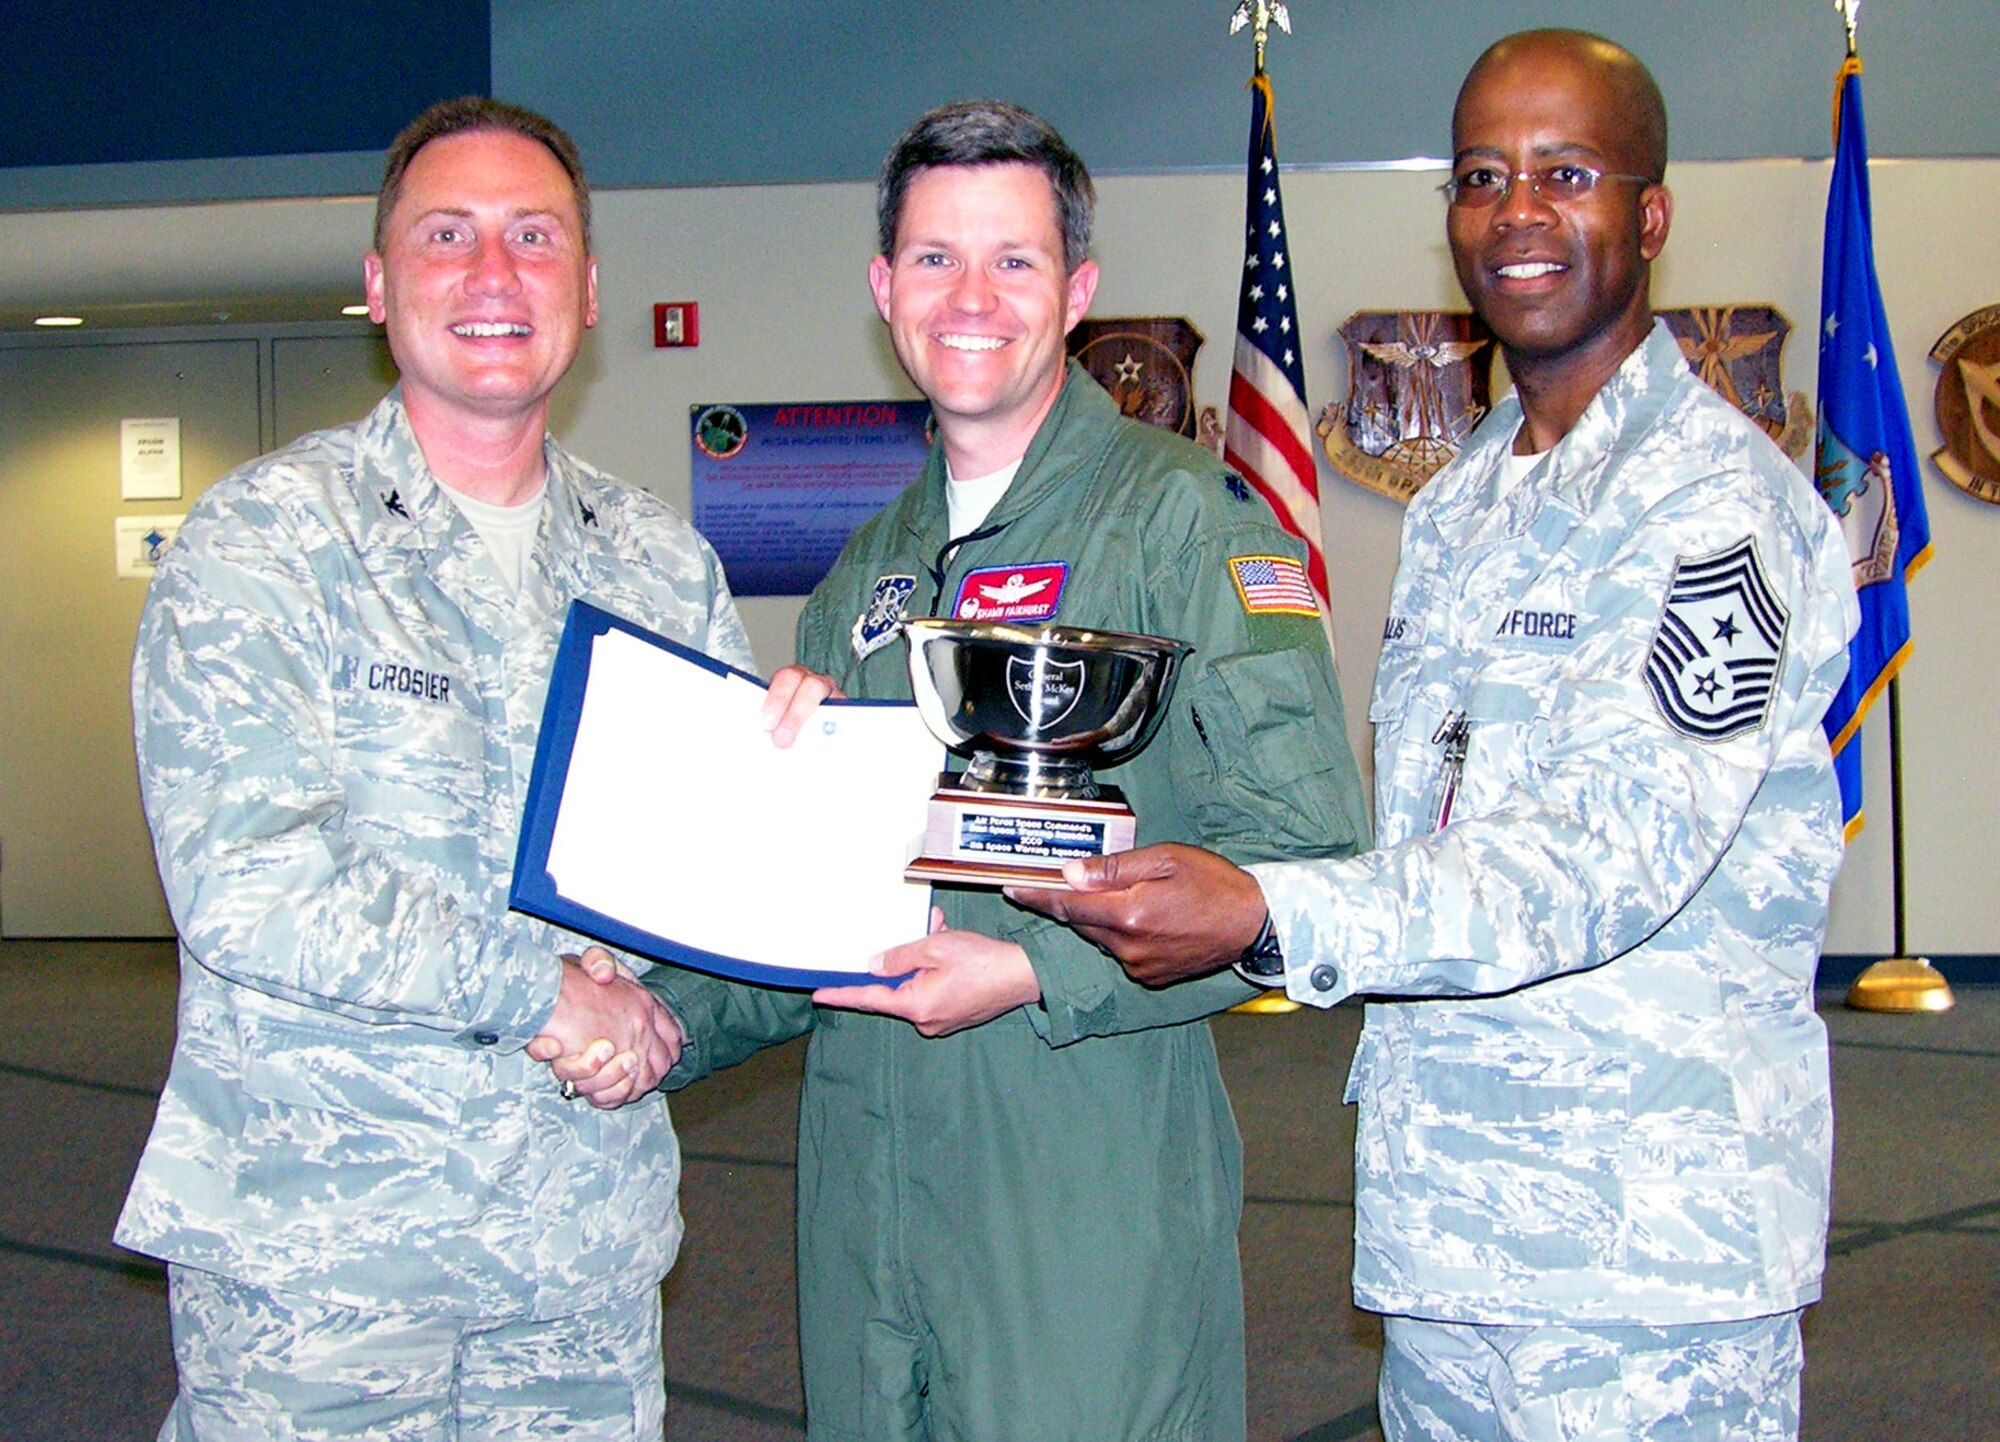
(1011, 593)
(876, 626)
(1714, 662)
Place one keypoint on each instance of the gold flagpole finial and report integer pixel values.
(1258, 14)
(1850, 16)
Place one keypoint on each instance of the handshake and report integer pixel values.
(609, 1040)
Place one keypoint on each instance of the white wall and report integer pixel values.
(785, 315)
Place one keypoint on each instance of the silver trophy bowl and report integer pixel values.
(1036, 706)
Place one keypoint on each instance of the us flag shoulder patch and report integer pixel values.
(1273, 586)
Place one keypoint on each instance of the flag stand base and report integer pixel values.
(1901, 984)
(1271, 1003)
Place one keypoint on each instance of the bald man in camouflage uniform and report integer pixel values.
(1594, 1142)
(382, 1217)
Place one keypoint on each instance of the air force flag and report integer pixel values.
(1867, 465)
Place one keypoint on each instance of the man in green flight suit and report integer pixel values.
(1019, 1184)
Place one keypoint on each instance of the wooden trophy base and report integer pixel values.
(987, 838)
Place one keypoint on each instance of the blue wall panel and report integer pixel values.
(97, 81)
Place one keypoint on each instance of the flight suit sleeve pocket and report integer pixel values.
(1269, 775)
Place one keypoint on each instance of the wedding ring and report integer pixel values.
(568, 1091)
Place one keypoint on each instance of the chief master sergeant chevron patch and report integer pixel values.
(1714, 660)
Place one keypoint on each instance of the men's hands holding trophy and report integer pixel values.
(1035, 706)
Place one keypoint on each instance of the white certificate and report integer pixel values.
(664, 820)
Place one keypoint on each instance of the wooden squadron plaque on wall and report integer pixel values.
(1968, 404)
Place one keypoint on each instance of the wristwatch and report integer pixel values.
(1263, 960)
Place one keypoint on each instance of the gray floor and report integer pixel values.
(1905, 1345)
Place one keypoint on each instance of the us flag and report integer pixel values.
(1273, 584)
(1268, 436)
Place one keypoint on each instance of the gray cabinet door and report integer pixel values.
(75, 858)
(321, 381)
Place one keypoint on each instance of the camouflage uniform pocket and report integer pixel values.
(1518, 1153)
(409, 753)
(330, 1117)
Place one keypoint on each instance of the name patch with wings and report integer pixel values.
(1011, 593)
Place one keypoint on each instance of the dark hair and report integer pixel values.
(988, 132)
(462, 116)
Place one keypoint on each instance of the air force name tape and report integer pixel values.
(1714, 662)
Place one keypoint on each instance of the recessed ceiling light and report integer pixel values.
(58, 320)
(354, 310)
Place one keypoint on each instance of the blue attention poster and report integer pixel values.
(778, 488)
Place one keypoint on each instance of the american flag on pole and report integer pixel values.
(1268, 436)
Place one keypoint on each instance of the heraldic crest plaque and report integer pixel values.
(1146, 362)
(1736, 349)
(1418, 381)
(1968, 404)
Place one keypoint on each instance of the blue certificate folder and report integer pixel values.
(864, 768)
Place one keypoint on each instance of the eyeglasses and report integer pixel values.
(1485, 186)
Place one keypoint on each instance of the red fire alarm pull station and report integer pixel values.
(676, 322)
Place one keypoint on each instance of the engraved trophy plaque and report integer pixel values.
(1034, 706)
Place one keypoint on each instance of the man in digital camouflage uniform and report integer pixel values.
(381, 1216)
(1593, 1149)
(1019, 1188)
